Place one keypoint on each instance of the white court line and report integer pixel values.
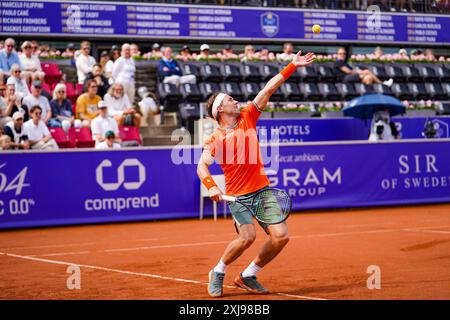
(427, 231)
(147, 275)
(169, 246)
(51, 246)
(60, 254)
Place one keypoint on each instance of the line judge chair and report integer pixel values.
(219, 179)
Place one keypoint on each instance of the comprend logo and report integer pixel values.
(121, 179)
(270, 24)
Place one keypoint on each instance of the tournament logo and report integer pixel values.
(270, 24)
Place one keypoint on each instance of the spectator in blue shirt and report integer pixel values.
(170, 71)
(8, 57)
(62, 113)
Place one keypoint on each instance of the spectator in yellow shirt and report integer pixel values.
(87, 103)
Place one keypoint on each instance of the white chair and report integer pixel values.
(219, 179)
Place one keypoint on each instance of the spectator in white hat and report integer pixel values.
(14, 129)
(204, 52)
(103, 123)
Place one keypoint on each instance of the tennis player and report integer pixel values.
(234, 145)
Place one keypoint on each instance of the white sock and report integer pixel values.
(252, 270)
(221, 267)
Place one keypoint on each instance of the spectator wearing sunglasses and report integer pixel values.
(8, 57)
(62, 114)
(19, 83)
(84, 63)
(37, 99)
(37, 132)
(87, 104)
(30, 62)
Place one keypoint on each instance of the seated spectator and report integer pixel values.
(227, 53)
(30, 62)
(5, 142)
(120, 107)
(62, 113)
(147, 106)
(185, 54)
(37, 132)
(87, 104)
(103, 123)
(348, 74)
(113, 56)
(8, 57)
(170, 72)
(204, 52)
(19, 83)
(288, 52)
(249, 53)
(84, 63)
(40, 76)
(35, 47)
(99, 78)
(156, 51)
(10, 104)
(378, 52)
(429, 55)
(403, 54)
(134, 49)
(264, 54)
(44, 51)
(109, 142)
(69, 52)
(14, 129)
(37, 99)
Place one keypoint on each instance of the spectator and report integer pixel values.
(120, 107)
(134, 50)
(403, 54)
(113, 55)
(124, 70)
(44, 51)
(378, 52)
(10, 104)
(40, 76)
(14, 129)
(84, 63)
(348, 74)
(70, 51)
(35, 47)
(429, 55)
(288, 52)
(8, 57)
(185, 54)
(37, 99)
(249, 53)
(37, 132)
(5, 142)
(62, 113)
(19, 83)
(103, 123)
(87, 104)
(104, 58)
(156, 51)
(204, 52)
(109, 142)
(264, 54)
(170, 72)
(227, 53)
(148, 106)
(99, 78)
(2, 44)
(401, 3)
(30, 62)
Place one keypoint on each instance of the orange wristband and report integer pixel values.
(288, 70)
(208, 182)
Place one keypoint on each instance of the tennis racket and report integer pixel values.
(270, 205)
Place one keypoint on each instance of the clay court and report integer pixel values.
(327, 258)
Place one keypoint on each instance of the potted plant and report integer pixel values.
(331, 110)
(291, 110)
(421, 108)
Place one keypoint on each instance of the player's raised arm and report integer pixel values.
(300, 61)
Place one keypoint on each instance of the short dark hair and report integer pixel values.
(34, 108)
(89, 82)
(209, 105)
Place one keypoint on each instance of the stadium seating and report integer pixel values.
(189, 112)
(130, 133)
(191, 93)
(81, 138)
(52, 72)
(60, 137)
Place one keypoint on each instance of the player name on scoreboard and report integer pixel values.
(87, 18)
(331, 23)
(423, 29)
(15, 17)
(207, 22)
(376, 27)
(153, 21)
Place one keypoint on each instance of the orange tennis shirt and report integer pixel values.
(237, 152)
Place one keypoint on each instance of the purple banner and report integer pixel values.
(151, 184)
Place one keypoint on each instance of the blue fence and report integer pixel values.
(77, 187)
(142, 20)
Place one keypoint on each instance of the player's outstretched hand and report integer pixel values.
(303, 61)
(215, 194)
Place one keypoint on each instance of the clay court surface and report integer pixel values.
(327, 258)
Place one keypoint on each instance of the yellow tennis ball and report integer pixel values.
(315, 28)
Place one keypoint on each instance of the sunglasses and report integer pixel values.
(38, 88)
(10, 46)
(86, 48)
(16, 71)
(38, 113)
(34, 47)
(93, 87)
(27, 47)
(61, 92)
